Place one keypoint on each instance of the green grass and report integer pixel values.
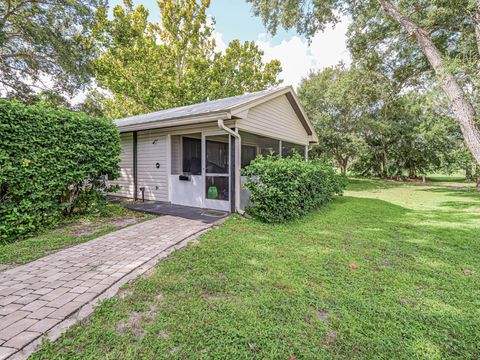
(253, 291)
(70, 232)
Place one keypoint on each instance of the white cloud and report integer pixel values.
(298, 57)
(220, 44)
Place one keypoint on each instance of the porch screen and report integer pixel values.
(288, 149)
(217, 157)
(248, 154)
(192, 156)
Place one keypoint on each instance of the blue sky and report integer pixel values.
(234, 20)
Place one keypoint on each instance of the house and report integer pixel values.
(192, 155)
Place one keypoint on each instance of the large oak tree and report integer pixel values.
(42, 46)
(415, 38)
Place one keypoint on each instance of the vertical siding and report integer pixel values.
(152, 149)
(275, 118)
(125, 181)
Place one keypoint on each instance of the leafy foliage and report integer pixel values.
(341, 103)
(51, 163)
(363, 120)
(40, 38)
(149, 66)
(283, 189)
(417, 44)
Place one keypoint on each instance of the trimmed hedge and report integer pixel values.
(51, 164)
(286, 189)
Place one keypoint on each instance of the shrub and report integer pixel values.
(51, 164)
(286, 189)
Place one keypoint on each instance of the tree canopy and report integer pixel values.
(407, 40)
(150, 66)
(364, 123)
(42, 45)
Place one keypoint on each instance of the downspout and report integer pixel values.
(238, 146)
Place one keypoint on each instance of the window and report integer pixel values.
(248, 154)
(288, 149)
(217, 157)
(192, 156)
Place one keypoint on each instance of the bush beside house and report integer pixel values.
(51, 164)
(285, 189)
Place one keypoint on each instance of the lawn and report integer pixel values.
(70, 232)
(387, 271)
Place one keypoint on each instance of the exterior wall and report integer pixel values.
(152, 150)
(125, 181)
(276, 119)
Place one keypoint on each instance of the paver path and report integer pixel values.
(52, 293)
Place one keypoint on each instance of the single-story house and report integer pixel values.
(192, 155)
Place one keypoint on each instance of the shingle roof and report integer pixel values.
(205, 108)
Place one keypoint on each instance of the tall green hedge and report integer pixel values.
(51, 164)
(286, 189)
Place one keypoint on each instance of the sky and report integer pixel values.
(234, 20)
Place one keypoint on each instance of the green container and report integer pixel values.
(212, 192)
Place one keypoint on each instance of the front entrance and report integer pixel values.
(216, 170)
(200, 170)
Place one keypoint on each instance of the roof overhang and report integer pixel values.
(180, 121)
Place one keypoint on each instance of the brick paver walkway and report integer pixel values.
(48, 295)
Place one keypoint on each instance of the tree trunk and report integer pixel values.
(343, 163)
(462, 108)
(411, 170)
(468, 171)
(476, 23)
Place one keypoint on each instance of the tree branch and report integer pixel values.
(464, 111)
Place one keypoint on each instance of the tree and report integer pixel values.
(339, 110)
(93, 104)
(363, 120)
(42, 45)
(149, 66)
(446, 33)
(413, 139)
(241, 69)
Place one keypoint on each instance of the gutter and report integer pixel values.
(171, 122)
(238, 145)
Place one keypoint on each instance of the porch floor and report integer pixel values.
(207, 216)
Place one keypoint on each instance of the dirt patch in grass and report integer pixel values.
(88, 227)
(84, 229)
(124, 221)
(135, 321)
(132, 324)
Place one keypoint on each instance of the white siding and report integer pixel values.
(152, 149)
(125, 181)
(277, 119)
